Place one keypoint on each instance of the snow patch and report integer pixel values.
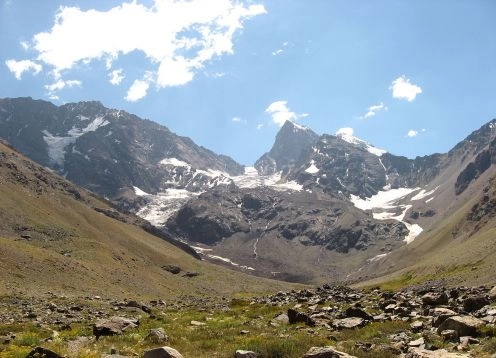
(423, 194)
(139, 192)
(346, 134)
(312, 169)
(175, 162)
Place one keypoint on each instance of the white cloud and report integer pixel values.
(238, 120)
(281, 49)
(25, 45)
(177, 37)
(138, 90)
(346, 131)
(259, 125)
(116, 77)
(403, 89)
(281, 113)
(53, 88)
(372, 110)
(412, 133)
(19, 67)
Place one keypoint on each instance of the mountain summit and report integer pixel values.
(291, 141)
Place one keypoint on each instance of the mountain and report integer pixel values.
(105, 150)
(57, 237)
(291, 141)
(313, 209)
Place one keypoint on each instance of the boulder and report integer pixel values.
(40, 352)
(173, 269)
(435, 299)
(348, 323)
(244, 354)
(463, 325)
(113, 326)
(157, 335)
(162, 352)
(492, 294)
(139, 305)
(295, 317)
(474, 303)
(326, 352)
(357, 312)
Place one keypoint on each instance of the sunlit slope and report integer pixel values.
(52, 239)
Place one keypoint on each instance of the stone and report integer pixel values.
(449, 335)
(197, 323)
(463, 325)
(435, 299)
(440, 353)
(244, 354)
(357, 312)
(113, 326)
(348, 323)
(139, 305)
(157, 335)
(417, 326)
(173, 269)
(244, 332)
(440, 315)
(474, 303)
(492, 294)
(162, 352)
(326, 352)
(40, 352)
(279, 319)
(417, 343)
(299, 317)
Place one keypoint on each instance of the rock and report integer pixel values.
(326, 352)
(244, 354)
(357, 312)
(191, 274)
(474, 303)
(417, 326)
(440, 353)
(279, 319)
(139, 305)
(435, 299)
(492, 294)
(162, 352)
(244, 332)
(40, 352)
(463, 325)
(295, 317)
(417, 343)
(197, 324)
(113, 326)
(173, 269)
(157, 335)
(449, 335)
(440, 315)
(348, 323)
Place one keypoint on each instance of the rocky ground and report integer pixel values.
(329, 321)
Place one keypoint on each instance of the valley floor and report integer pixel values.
(363, 323)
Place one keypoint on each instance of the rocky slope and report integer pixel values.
(57, 237)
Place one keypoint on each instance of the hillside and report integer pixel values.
(55, 238)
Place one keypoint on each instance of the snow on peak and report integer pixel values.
(346, 134)
(175, 162)
(57, 145)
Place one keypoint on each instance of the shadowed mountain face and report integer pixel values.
(314, 208)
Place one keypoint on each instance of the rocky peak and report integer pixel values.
(291, 141)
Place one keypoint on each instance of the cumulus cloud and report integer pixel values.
(412, 133)
(116, 77)
(403, 89)
(372, 110)
(19, 67)
(281, 113)
(137, 91)
(177, 37)
(346, 131)
(281, 49)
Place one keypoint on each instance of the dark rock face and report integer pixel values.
(336, 225)
(291, 141)
(113, 326)
(105, 149)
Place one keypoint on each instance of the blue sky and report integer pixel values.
(412, 77)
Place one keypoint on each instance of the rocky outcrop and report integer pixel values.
(162, 352)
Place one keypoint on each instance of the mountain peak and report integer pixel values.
(291, 140)
(346, 134)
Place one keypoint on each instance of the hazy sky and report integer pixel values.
(412, 77)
